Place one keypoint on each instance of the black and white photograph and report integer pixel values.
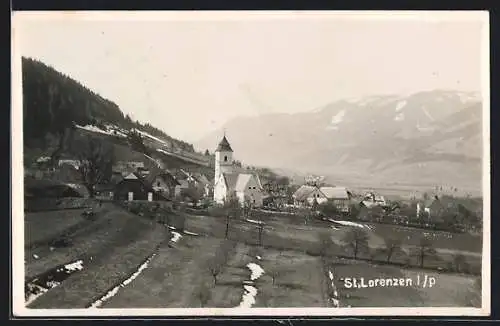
(294, 163)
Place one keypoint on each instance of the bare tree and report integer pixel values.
(96, 162)
(274, 272)
(220, 257)
(357, 239)
(261, 230)
(214, 267)
(392, 245)
(424, 249)
(227, 226)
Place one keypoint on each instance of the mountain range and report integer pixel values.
(430, 137)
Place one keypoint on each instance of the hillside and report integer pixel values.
(54, 102)
(56, 109)
(431, 138)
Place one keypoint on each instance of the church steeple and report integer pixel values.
(224, 145)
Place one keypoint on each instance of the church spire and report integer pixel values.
(224, 145)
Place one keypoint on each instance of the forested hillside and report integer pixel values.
(54, 103)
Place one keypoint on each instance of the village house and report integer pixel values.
(306, 195)
(134, 187)
(229, 183)
(163, 182)
(371, 200)
(187, 185)
(204, 184)
(338, 196)
(105, 191)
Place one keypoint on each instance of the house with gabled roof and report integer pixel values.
(230, 183)
(162, 181)
(135, 187)
(339, 196)
(307, 195)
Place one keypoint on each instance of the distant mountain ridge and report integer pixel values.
(431, 136)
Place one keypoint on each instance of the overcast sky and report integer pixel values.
(188, 77)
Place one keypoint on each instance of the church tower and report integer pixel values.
(223, 158)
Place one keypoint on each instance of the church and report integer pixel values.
(231, 183)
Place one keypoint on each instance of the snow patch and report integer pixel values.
(190, 233)
(76, 266)
(43, 159)
(92, 128)
(248, 298)
(150, 136)
(335, 297)
(400, 105)
(348, 223)
(338, 118)
(256, 271)
(117, 288)
(176, 236)
(36, 291)
(254, 221)
(399, 117)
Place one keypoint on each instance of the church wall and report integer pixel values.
(220, 190)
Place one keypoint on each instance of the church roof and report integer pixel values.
(231, 179)
(224, 146)
(239, 181)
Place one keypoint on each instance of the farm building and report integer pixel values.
(228, 183)
(339, 196)
(162, 182)
(371, 200)
(307, 195)
(105, 191)
(133, 187)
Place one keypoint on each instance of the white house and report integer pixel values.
(228, 183)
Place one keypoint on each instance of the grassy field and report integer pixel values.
(111, 247)
(35, 224)
(172, 277)
(440, 239)
(178, 275)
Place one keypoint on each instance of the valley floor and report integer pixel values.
(134, 262)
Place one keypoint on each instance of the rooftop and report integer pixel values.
(224, 146)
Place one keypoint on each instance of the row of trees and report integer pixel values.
(357, 241)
